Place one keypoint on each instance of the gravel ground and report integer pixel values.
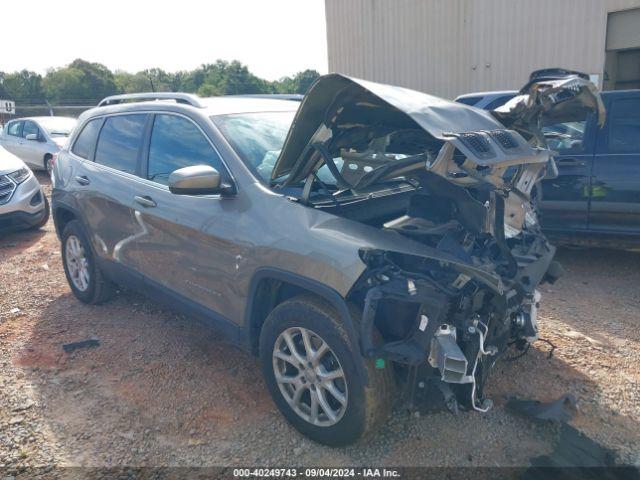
(161, 390)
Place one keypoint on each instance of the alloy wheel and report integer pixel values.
(77, 263)
(310, 377)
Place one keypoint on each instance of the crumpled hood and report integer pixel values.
(330, 94)
(546, 102)
(336, 100)
(468, 147)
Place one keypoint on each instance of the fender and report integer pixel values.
(316, 287)
(56, 205)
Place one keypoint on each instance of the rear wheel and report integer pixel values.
(48, 166)
(85, 278)
(309, 366)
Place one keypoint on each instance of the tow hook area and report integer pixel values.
(447, 356)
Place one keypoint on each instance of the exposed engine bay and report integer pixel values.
(452, 178)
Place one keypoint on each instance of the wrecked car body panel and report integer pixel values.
(552, 100)
(450, 274)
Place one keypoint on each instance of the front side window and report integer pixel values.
(257, 138)
(624, 126)
(85, 144)
(177, 143)
(15, 129)
(567, 136)
(30, 128)
(119, 142)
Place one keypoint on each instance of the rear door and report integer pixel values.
(565, 199)
(615, 190)
(12, 137)
(105, 185)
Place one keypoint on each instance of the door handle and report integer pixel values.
(83, 180)
(570, 162)
(145, 201)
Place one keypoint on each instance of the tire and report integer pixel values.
(364, 406)
(47, 164)
(95, 288)
(47, 213)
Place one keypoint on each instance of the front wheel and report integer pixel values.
(309, 367)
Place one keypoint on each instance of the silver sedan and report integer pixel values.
(36, 140)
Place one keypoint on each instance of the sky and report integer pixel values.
(273, 38)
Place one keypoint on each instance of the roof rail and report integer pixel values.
(296, 97)
(185, 98)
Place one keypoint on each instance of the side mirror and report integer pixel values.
(33, 137)
(197, 180)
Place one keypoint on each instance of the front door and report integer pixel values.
(615, 190)
(565, 199)
(32, 152)
(188, 246)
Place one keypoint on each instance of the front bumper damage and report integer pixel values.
(461, 324)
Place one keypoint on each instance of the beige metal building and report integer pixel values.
(450, 47)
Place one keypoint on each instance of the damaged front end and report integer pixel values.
(454, 189)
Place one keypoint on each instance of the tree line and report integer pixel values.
(85, 83)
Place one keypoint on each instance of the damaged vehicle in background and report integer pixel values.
(374, 238)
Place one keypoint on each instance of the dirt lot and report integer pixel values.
(162, 390)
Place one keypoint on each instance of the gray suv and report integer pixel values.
(367, 240)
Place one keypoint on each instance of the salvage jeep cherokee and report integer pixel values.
(368, 236)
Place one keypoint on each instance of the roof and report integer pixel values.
(620, 93)
(211, 106)
(42, 117)
(248, 104)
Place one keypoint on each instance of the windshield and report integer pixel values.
(58, 126)
(257, 138)
(471, 101)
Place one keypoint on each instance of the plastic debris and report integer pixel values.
(70, 347)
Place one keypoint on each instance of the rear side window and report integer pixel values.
(85, 144)
(119, 142)
(624, 126)
(15, 129)
(176, 143)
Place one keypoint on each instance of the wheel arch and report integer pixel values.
(62, 215)
(271, 286)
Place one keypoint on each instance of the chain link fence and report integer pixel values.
(40, 109)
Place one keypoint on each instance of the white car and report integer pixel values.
(487, 100)
(36, 140)
(23, 204)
